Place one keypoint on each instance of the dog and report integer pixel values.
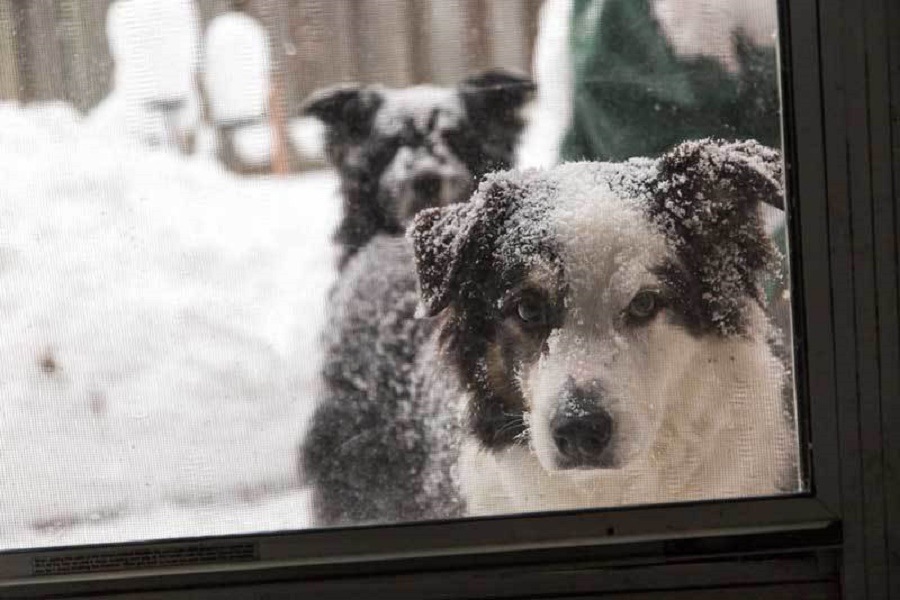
(589, 336)
(398, 151)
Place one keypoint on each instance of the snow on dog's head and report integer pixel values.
(575, 301)
(401, 150)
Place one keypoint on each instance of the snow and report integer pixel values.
(155, 48)
(253, 143)
(308, 136)
(160, 322)
(236, 71)
(550, 113)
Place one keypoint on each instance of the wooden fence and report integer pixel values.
(57, 49)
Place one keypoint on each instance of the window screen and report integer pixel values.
(271, 265)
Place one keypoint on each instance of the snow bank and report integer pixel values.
(159, 320)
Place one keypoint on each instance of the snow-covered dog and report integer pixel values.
(596, 338)
(400, 150)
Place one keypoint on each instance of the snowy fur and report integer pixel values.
(693, 389)
(372, 453)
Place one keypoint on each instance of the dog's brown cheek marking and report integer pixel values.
(500, 378)
(517, 352)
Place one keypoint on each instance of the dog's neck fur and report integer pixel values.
(726, 434)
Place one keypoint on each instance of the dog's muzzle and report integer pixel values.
(582, 429)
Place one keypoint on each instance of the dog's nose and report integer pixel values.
(581, 428)
(427, 185)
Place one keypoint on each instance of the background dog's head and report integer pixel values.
(574, 302)
(401, 150)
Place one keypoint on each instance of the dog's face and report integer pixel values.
(401, 150)
(413, 133)
(573, 302)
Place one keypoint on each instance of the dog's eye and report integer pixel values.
(644, 305)
(531, 310)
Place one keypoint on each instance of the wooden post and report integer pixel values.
(382, 30)
(506, 34)
(86, 59)
(477, 35)
(210, 9)
(275, 17)
(531, 16)
(43, 65)
(448, 24)
(281, 148)
(419, 40)
(322, 31)
(10, 83)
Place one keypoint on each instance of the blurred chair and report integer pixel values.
(244, 102)
(155, 47)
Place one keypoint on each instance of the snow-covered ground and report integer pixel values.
(159, 321)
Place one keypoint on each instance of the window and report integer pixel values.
(180, 322)
(268, 272)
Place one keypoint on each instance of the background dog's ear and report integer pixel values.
(496, 95)
(707, 199)
(492, 101)
(345, 108)
(460, 237)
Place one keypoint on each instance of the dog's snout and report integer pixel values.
(427, 185)
(582, 428)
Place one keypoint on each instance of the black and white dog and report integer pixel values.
(593, 335)
(401, 150)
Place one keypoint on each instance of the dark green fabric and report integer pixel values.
(634, 97)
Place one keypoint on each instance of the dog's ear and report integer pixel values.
(347, 109)
(450, 240)
(492, 102)
(707, 199)
(436, 235)
(496, 96)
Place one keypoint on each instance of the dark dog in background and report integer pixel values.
(398, 151)
(401, 150)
